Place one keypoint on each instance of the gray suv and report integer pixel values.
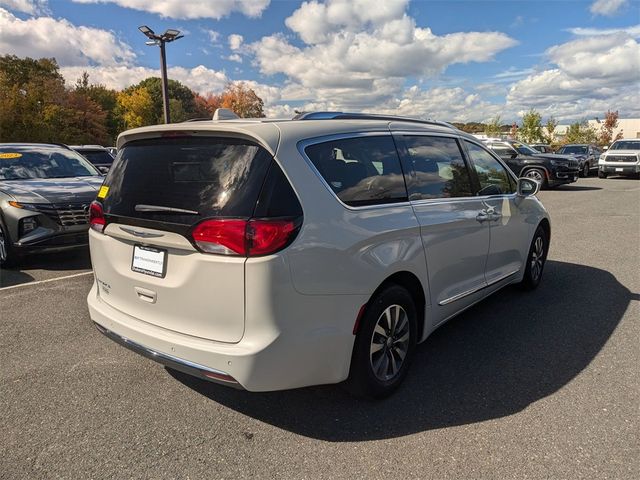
(45, 192)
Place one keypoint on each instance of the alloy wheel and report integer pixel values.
(3, 246)
(389, 342)
(534, 174)
(537, 258)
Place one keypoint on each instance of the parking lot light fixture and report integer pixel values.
(160, 40)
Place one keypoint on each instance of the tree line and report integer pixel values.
(37, 106)
(532, 130)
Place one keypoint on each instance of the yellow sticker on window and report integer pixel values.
(10, 155)
(103, 191)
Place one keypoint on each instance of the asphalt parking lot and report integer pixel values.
(523, 385)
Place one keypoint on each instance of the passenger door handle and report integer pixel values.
(482, 216)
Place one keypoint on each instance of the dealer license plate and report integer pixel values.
(619, 169)
(150, 261)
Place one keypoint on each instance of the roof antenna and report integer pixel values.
(225, 114)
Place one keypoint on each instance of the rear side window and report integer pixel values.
(435, 168)
(98, 157)
(361, 171)
(184, 180)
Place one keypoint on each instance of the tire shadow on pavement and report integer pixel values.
(493, 360)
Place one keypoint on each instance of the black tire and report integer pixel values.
(602, 174)
(8, 258)
(539, 175)
(536, 261)
(585, 170)
(364, 379)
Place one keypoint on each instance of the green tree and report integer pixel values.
(107, 99)
(531, 130)
(580, 132)
(177, 91)
(550, 130)
(494, 127)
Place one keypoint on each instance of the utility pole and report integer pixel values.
(160, 40)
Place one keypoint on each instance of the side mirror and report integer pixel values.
(103, 170)
(513, 155)
(527, 187)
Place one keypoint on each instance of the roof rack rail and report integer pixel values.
(365, 116)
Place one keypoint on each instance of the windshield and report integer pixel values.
(97, 157)
(23, 163)
(626, 145)
(573, 149)
(524, 149)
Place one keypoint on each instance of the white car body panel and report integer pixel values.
(287, 320)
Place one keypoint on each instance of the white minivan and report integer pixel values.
(275, 254)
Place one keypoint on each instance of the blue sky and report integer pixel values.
(453, 60)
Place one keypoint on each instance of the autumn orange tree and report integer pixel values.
(240, 98)
(605, 136)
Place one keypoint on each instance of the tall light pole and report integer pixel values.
(169, 36)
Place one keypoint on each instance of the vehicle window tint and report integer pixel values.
(503, 150)
(362, 170)
(20, 163)
(435, 168)
(493, 177)
(98, 157)
(277, 198)
(202, 177)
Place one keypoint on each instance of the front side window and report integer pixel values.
(573, 149)
(361, 170)
(435, 168)
(492, 176)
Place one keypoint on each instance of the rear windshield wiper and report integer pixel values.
(160, 208)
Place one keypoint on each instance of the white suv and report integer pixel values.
(278, 254)
(622, 158)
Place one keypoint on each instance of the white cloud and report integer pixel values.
(235, 41)
(200, 79)
(591, 75)
(634, 31)
(235, 58)
(213, 35)
(607, 7)
(359, 53)
(191, 9)
(68, 43)
(25, 6)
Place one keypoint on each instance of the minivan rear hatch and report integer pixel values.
(154, 200)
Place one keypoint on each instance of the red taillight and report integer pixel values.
(248, 238)
(221, 236)
(96, 217)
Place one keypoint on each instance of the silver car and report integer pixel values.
(276, 254)
(45, 192)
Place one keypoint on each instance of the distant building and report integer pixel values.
(629, 127)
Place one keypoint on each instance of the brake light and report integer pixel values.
(248, 238)
(97, 221)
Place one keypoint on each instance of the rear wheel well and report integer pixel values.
(413, 285)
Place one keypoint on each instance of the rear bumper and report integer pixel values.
(170, 361)
(267, 358)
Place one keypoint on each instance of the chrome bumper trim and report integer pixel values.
(184, 366)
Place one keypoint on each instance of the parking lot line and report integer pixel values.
(46, 281)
